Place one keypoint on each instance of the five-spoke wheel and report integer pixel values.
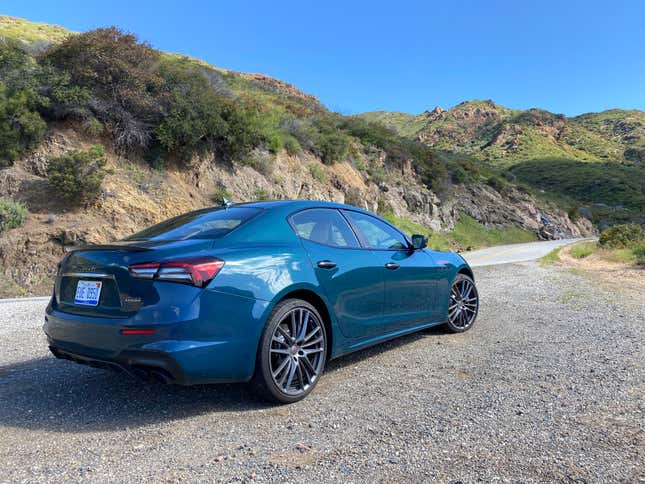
(464, 304)
(292, 352)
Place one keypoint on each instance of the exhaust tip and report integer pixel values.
(158, 375)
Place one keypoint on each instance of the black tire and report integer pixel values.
(279, 348)
(464, 304)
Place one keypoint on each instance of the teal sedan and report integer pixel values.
(266, 292)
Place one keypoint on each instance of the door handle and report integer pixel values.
(392, 266)
(326, 264)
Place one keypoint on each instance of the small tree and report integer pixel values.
(77, 175)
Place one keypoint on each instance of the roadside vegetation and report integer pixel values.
(169, 109)
(77, 176)
(467, 234)
(552, 257)
(620, 244)
(12, 214)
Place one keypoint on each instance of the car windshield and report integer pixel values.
(202, 224)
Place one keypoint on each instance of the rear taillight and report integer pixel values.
(197, 271)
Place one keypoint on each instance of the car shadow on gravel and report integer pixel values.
(61, 396)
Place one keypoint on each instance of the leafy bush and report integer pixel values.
(496, 182)
(622, 236)
(330, 143)
(377, 174)
(318, 173)
(77, 175)
(260, 161)
(12, 214)
(458, 174)
(21, 127)
(261, 194)
(121, 73)
(291, 145)
(639, 253)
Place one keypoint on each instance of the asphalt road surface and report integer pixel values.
(547, 386)
(506, 254)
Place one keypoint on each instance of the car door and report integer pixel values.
(351, 276)
(412, 277)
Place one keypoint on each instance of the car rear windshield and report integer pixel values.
(211, 223)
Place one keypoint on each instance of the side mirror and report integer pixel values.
(419, 241)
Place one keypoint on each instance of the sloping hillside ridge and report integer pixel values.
(496, 133)
(332, 159)
(135, 196)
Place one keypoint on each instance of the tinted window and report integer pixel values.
(324, 226)
(210, 223)
(377, 234)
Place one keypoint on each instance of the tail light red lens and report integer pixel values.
(138, 331)
(197, 271)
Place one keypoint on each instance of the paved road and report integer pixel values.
(506, 254)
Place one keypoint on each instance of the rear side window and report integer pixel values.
(211, 223)
(324, 226)
(376, 233)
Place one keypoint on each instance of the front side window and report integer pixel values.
(376, 233)
(202, 224)
(324, 226)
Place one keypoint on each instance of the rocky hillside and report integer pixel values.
(179, 134)
(594, 163)
(492, 132)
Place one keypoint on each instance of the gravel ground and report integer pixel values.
(548, 385)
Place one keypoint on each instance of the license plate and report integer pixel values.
(88, 293)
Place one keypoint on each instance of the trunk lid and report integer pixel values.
(121, 295)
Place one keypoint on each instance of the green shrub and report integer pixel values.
(275, 142)
(318, 173)
(291, 145)
(622, 236)
(21, 126)
(458, 174)
(332, 146)
(496, 182)
(260, 161)
(377, 174)
(123, 77)
(12, 214)
(360, 166)
(261, 194)
(77, 175)
(639, 253)
(219, 194)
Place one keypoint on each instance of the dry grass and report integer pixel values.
(613, 270)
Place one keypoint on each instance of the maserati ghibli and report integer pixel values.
(266, 292)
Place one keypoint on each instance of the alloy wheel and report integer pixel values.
(297, 353)
(464, 303)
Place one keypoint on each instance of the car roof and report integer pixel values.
(296, 204)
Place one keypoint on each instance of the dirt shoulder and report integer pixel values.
(614, 276)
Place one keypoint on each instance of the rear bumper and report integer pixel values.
(210, 346)
(141, 364)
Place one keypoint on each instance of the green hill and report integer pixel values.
(169, 109)
(501, 135)
(594, 160)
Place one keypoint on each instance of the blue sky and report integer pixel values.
(566, 56)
